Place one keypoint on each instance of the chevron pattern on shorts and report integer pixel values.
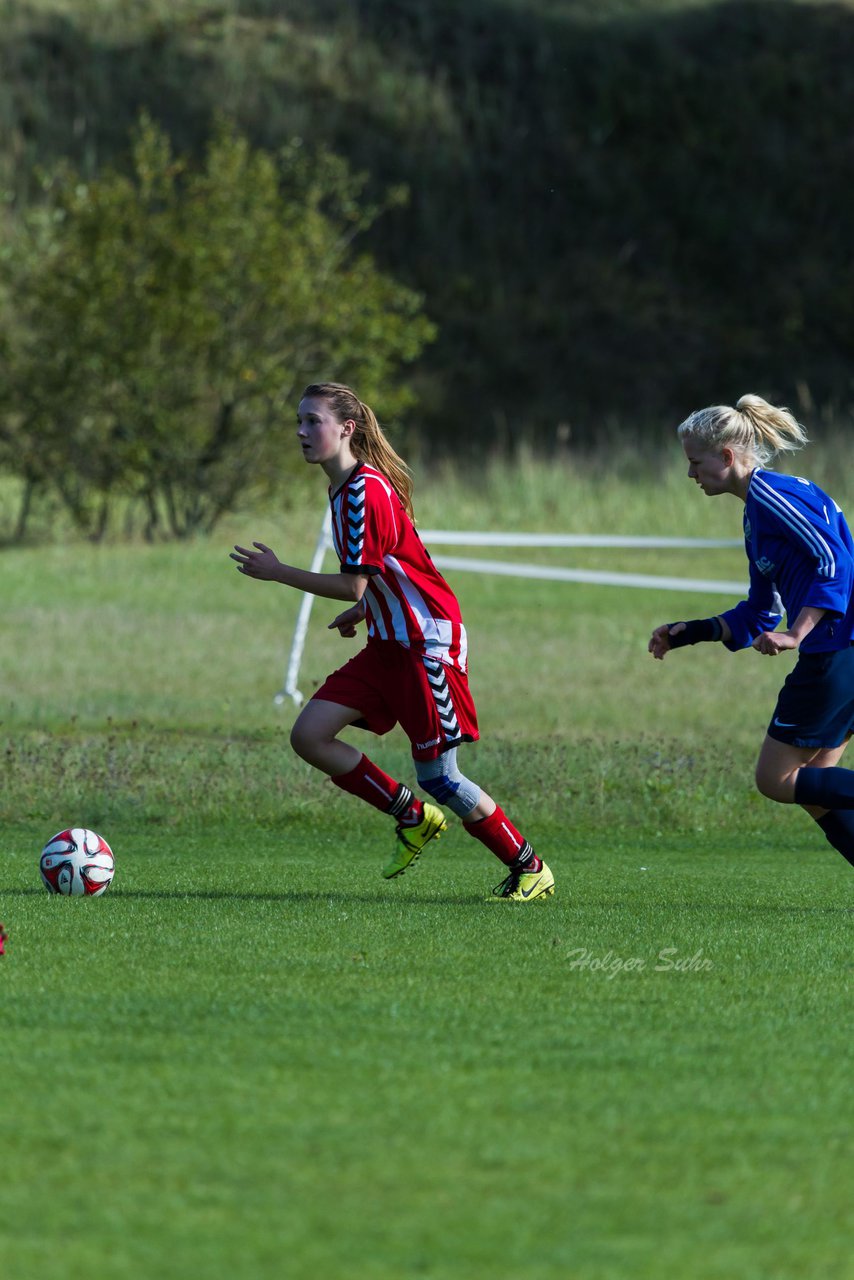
(355, 520)
(442, 697)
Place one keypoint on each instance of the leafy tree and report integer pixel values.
(164, 320)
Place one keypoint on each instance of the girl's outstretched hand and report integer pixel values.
(347, 621)
(261, 563)
(659, 643)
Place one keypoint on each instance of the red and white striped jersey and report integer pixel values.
(407, 599)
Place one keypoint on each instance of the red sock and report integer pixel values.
(501, 838)
(369, 783)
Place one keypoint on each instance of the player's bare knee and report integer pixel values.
(298, 741)
(765, 784)
(773, 786)
(304, 740)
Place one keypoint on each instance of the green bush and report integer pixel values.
(167, 320)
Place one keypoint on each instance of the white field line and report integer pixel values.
(472, 539)
(598, 577)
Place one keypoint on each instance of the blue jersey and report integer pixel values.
(801, 554)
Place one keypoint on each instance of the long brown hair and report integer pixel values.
(753, 427)
(368, 442)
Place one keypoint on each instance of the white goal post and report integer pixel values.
(458, 538)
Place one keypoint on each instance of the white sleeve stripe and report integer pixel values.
(797, 522)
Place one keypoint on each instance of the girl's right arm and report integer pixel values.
(264, 564)
(673, 635)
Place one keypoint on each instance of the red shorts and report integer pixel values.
(392, 685)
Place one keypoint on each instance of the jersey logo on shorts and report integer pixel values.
(442, 697)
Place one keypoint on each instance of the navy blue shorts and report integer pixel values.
(815, 707)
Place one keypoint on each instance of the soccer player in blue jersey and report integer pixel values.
(801, 556)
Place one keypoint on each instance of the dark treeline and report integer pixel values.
(613, 218)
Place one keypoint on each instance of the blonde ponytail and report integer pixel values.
(754, 428)
(368, 442)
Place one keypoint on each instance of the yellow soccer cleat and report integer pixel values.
(525, 886)
(411, 840)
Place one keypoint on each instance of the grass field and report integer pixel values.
(255, 1058)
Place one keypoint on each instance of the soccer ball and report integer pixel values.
(77, 863)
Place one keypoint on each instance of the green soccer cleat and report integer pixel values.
(411, 840)
(524, 886)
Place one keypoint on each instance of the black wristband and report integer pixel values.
(695, 632)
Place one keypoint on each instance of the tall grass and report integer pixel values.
(630, 486)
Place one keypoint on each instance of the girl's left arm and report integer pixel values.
(264, 564)
(346, 623)
(760, 612)
(774, 642)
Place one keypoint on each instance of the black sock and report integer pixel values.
(406, 807)
(527, 860)
(827, 788)
(838, 827)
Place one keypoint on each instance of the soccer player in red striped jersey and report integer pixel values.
(412, 671)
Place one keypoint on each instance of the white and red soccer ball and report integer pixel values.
(77, 863)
